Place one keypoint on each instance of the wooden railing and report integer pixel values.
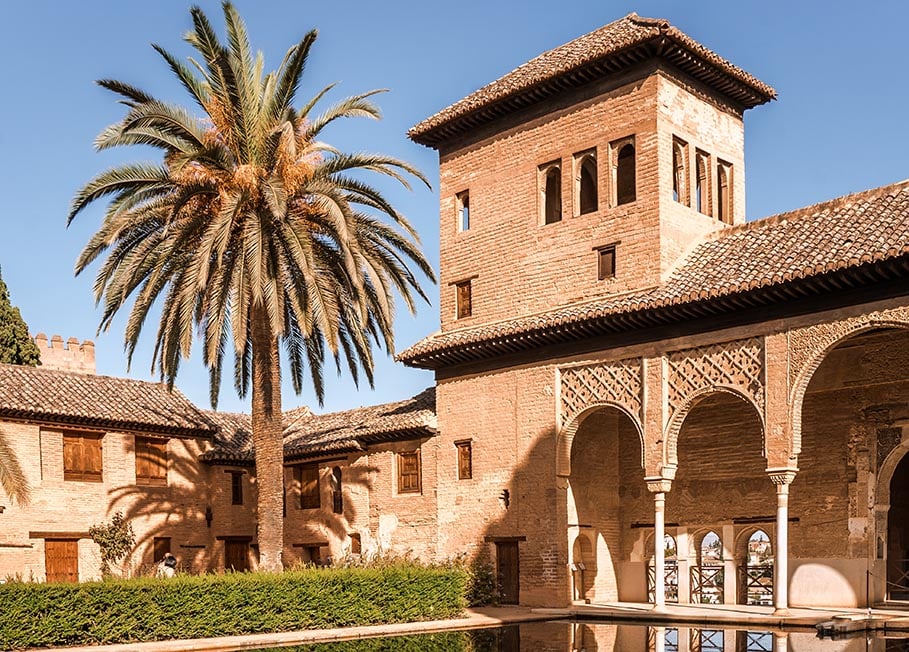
(707, 584)
(671, 580)
(757, 580)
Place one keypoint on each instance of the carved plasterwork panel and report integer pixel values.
(736, 365)
(618, 383)
(809, 346)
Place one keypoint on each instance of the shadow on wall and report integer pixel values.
(173, 514)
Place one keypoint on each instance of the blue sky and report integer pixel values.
(838, 127)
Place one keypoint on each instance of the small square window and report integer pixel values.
(606, 262)
(463, 300)
(462, 201)
(465, 460)
(409, 472)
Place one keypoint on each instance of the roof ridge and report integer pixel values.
(805, 212)
(80, 374)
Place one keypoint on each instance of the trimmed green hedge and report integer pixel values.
(118, 611)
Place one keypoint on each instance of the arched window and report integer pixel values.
(723, 192)
(711, 550)
(462, 201)
(551, 192)
(586, 193)
(680, 171)
(757, 579)
(707, 576)
(702, 196)
(625, 181)
(337, 496)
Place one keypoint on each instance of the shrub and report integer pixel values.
(115, 539)
(118, 611)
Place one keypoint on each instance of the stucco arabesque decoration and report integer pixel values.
(616, 384)
(735, 367)
(809, 346)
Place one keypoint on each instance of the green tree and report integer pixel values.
(254, 232)
(16, 347)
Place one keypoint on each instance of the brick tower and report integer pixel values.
(588, 171)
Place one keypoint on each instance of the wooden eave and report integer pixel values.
(875, 280)
(663, 47)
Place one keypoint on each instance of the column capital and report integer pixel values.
(658, 485)
(782, 476)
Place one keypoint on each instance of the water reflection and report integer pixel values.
(566, 636)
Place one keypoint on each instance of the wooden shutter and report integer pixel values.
(465, 460)
(82, 457)
(151, 461)
(61, 560)
(309, 486)
(409, 472)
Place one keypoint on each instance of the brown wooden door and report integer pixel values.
(61, 560)
(507, 569)
(236, 555)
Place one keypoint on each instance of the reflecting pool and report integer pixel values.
(590, 636)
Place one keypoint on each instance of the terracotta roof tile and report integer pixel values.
(869, 226)
(610, 40)
(56, 396)
(308, 434)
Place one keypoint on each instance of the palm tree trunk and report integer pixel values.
(267, 432)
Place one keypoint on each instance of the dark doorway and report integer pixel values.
(236, 555)
(61, 560)
(898, 533)
(507, 569)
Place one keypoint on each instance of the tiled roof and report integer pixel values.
(55, 396)
(619, 44)
(307, 434)
(850, 232)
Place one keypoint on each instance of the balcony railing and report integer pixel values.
(707, 585)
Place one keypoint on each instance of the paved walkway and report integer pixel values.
(474, 619)
(894, 619)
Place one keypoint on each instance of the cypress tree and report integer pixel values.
(16, 346)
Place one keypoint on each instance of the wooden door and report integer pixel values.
(507, 569)
(236, 555)
(61, 560)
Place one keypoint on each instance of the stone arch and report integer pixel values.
(568, 432)
(743, 538)
(885, 473)
(671, 435)
(819, 341)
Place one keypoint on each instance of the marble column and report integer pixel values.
(782, 478)
(659, 487)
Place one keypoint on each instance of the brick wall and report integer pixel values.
(70, 508)
(517, 264)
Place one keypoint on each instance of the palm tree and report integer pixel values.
(252, 231)
(12, 478)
